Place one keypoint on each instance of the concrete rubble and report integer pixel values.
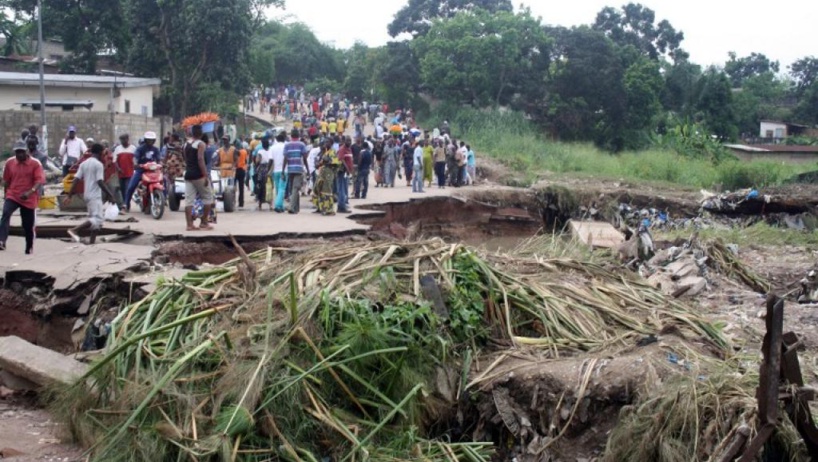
(36, 364)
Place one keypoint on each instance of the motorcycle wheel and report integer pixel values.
(157, 204)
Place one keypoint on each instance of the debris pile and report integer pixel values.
(386, 351)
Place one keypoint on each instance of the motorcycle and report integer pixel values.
(151, 191)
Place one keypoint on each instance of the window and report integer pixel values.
(127, 106)
(779, 133)
(145, 111)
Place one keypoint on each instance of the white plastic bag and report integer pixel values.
(110, 211)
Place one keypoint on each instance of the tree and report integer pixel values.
(741, 69)
(480, 57)
(715, 105)
(296, 53)
(397, 74)
(635, 25)
(643, 86)
(586, 96)
(805, 73)
(679, 94)
(190, 43)
(18, 35)
(416, 18)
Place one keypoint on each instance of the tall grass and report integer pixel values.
(511, 139)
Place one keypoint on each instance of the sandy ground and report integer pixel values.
(30, 433)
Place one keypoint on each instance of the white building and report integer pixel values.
(70, 92)
(772, 130)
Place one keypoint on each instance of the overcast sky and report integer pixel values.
(784, 30)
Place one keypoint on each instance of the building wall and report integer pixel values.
(139, 98)
(780, 157)
(772, 127)
(96, 124)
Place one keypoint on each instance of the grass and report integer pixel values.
(514, 141)
(760, 234)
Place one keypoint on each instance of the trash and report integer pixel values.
(110, 211)
(808, 292)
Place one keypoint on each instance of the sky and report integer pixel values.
(784, 30)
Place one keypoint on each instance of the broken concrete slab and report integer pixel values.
(73, 264)
(16, 383)
(37, 364)
(596, 234)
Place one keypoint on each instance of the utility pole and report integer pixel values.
(43, 125)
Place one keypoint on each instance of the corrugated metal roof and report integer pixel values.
(75, 80)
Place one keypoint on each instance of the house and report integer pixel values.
(788, 154)
(71, 92)
(772, 131)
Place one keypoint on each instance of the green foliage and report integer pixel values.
(759, 234)
(634, 25)
(322, 85)
(693, 140)
(467, 304)
(415, 18)
(715, 105)
(695, 160)
(18, 34)
(741, 69)
(296, 54)
(482, 58)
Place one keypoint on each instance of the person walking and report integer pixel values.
(295, 157)
(71, 149)
(428, 163)
(471, 165)
(241, 172)
(439, 158)
(92, 172)
(407, 153)
(417, 168)
(342, 180)
(364, 169)
(23, 176)
(277, 174)
(262, 162)
(323, 190)
(196, 180)
(124, 162)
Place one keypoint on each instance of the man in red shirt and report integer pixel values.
(22, 178)
(124, 162)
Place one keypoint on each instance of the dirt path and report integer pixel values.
(29, 434)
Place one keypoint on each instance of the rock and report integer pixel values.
(16, 383)
(683, 268)
(596, 234)
(8, 453)
(37, 364)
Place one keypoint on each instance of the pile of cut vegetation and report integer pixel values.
(397, 351)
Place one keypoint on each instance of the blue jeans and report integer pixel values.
(417, 178)
(342, 191)
(361, 184)
(132, 185)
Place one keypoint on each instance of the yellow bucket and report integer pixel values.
(47, 203)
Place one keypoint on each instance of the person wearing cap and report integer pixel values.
(23, 177)
(71, 149)
(145, 153)
(92, 172)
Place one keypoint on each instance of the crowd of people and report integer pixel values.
(334, 150)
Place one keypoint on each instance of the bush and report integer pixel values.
(510, 138)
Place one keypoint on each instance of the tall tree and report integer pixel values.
(715, 105)
(417, 16)
(296, 53)
(805, 73)
(86, 27)
(397, 74)
(636, 25)
(190, 43)
(480, 57)
(17, 33)
(741, 69)
(586, 96)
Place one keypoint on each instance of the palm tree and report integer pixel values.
(18, 36)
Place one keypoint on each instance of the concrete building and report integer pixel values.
(68, 92)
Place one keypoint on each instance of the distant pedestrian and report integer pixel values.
(196, 180)
(92, 172)
(364, 170)
(23, 176)
(417, 168)
(295, 158)
(71, 149)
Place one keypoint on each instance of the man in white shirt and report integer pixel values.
(277, 173)
(71, 149)
(311, 158)
(92, 173)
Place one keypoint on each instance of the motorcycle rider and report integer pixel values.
(145, 153)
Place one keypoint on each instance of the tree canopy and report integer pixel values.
(417, 16)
